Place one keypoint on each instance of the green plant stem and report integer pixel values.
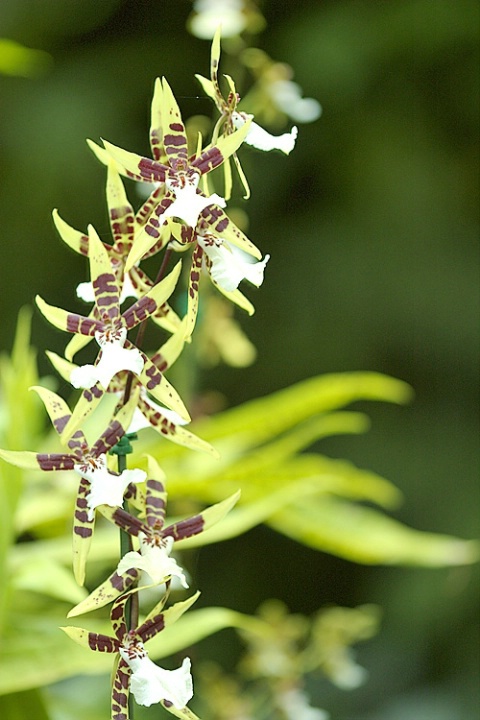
(131, 607)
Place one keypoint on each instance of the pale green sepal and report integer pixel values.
(79, 635)
(124, 160)
(228, 144)
(82, 410)
(162, 290)
(76, 343)
(80, 552)
(98, 258)
(212, 515)
(73, 238)
(104, 157)
(101, 596)
(144, 242)
(364, 535)
(184, 714)
(21, 458)
(236, 297)
(55, 406)
(171, 614)
(116, 195)
(56, 316)
(208, 87)
(166, 394)
(62, 366)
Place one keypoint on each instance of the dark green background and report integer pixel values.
(372, 224)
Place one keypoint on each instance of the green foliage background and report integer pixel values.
(372, 224)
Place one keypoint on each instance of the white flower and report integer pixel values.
(212, 13)
(188, 204)
(287, 96)
(259, 138)
(231, 265)
(297, 707)
(150, 683)
(154, 559)
(106, 488)
(113, 359)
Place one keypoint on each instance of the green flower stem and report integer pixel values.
(131, 607)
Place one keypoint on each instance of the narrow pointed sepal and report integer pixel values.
(22, 459)
(158, 386)
(127, 163)
(120, 691)
(90, 640)
(75, 239)
(83, 528)
(107, 592)
(57, 408)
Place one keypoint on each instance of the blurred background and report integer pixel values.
(372, 225)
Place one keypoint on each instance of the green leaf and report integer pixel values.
(259, 420)
(197, 625)
(16, 59)
(45, 576)
(21, 705)
(364, 535)
(42, 654)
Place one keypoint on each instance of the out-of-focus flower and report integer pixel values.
(296, 705)
(234, 16)
(287, 96)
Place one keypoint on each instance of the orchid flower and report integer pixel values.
(168, 423)
(232, 120)
(109, 327)
(155, 541)
(171, 166)
(124, 225)
(135, 672)
(228, 256)
(98, 485)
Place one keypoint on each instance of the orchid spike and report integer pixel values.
(155, 542)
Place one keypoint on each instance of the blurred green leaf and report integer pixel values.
(22, 705)
(364, 535)
(16, 59)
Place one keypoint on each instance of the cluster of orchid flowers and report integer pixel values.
(179, 214)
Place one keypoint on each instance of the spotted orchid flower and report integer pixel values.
(232, 120)
(168, 423)
(109, 327)
(171, 165)
(98, 484)
(226, 253)
(124, 225)
(155, 542)
(135, 672)
(228, 265)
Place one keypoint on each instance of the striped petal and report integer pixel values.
(70, 322)
(83, 528)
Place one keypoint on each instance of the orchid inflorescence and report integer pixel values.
(179, 214)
